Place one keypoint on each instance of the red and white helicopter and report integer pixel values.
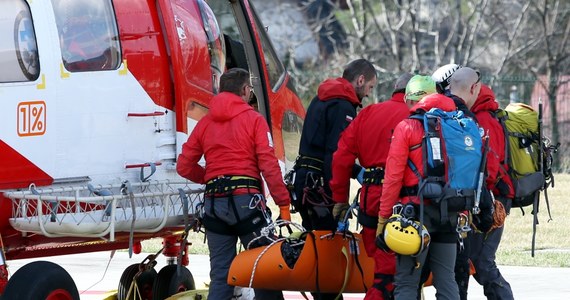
(96, 100)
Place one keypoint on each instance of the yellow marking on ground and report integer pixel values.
(112, 295)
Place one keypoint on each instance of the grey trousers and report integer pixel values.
(441, 257)
(223, 247)
(482, 254)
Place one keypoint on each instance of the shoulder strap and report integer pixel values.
(502, 116)
(417, 116)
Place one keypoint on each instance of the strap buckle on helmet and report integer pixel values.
(397, 209)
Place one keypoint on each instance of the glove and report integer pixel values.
(381, 224)
(339, 211)
(380, 242)
(360, 176)
(284, 213)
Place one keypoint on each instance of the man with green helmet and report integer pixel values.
(418, 87)
(367, 139)
(401, 186)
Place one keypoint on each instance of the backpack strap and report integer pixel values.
(502, 116)
(430, 172)
(420, 118)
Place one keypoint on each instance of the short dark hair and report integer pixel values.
(359, 67)
(233, 80)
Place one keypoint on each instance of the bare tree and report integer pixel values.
(547, 50)
(527, 38)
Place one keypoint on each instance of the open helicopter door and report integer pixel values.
(247, 46)
(197, 59)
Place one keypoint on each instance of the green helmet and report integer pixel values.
(418, 87)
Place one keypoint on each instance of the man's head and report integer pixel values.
(401, 82)
(237, 81)
(465, 83)
(418, 87)
(362, 74)
(442, 75)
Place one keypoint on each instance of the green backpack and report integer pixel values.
(522, 152)
(529, 156)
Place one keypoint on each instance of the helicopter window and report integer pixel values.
(235, 52)
(19, 60)
(292, 126)
(88, 35)
(216, 45)
(234, 49)
(274, 67)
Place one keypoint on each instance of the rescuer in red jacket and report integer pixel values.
(367, 139)
(236, 143)
(406, 145)
(328, 115)
(484, 245)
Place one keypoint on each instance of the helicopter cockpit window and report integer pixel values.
(216, 45)
(19, 60)
(88, 35)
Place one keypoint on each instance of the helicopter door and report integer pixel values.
(197, 57)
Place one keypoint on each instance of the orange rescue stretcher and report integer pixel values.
(337, 262)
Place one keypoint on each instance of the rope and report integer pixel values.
(259, 257)
(267, 230)
(265, 233)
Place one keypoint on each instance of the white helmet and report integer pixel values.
(442, 75)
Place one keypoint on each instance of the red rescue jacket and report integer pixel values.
(407, 134)
(483, 108)
(368, 139)
(235, 140)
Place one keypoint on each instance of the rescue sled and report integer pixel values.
(102, 211)
(326, 262)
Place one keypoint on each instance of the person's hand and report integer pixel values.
(380, 242)
(381, 224)
(360, 176)
(339, 211)
(284, 213)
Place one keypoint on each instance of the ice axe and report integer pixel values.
(482, 170)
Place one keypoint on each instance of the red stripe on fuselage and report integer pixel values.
(16, 171)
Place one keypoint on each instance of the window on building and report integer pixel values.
(88, 35)
(19, 60)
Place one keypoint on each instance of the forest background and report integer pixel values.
(521, 47)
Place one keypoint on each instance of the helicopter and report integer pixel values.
(97, 98)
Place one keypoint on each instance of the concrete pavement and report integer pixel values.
(93, 281)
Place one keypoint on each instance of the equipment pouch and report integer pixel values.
(432, 190)
(528, 184)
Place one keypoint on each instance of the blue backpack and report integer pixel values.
(453, 161)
